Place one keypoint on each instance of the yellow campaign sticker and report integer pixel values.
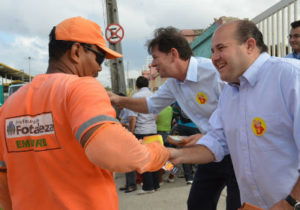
(259, 126)
(201, 98)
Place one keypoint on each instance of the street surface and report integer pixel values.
(170, 196)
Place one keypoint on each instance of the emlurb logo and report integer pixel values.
(11, 129)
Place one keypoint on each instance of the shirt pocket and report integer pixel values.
(267, 132)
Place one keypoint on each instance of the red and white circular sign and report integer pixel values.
(114, 33)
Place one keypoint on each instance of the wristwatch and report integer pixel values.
(293, 202)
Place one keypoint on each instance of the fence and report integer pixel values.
(274, 23)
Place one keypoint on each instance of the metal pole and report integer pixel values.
(283, 19)
(296, 10)
(29, 58)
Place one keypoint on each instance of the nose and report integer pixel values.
(215, 56)
(153, 64)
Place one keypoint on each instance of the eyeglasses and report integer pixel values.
(100, 56)
(296, 36)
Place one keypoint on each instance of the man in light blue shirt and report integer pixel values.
(257, 120)
(195, 84)
(294, 40)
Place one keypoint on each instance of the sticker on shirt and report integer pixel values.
(31, 133)
(201, 98)
(259, 126)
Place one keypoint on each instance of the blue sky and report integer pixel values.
(25, 25)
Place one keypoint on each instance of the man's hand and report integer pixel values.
(174, 155)
(192, 140)
(185, 141)
(114, 98)
(282, 205)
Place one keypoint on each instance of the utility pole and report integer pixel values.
(116, 65)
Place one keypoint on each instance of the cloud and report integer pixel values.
(25, 25)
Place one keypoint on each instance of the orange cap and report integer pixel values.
(79, 29)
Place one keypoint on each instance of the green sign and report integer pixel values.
(1, 98)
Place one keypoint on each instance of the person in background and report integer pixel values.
(164, 122)
(164, 126)
(143, 125)
(257, 120)
(184, 127)
(123, 115)
(60, 140)
(294, 40)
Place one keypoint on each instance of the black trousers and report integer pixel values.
(209, 181)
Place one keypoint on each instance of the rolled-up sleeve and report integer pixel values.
(161, 99)
(215, 140)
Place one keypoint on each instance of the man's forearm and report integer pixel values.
(296, 190)
(197, 154)
(283, 204)
(134, 104)
(123, 152)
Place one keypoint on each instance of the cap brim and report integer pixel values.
(110, 54)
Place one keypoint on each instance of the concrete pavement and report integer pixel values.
(170, 196)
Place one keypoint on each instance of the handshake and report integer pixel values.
(180, 141)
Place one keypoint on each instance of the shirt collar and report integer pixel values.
(252, 73)
(296, 55)
(192, 71)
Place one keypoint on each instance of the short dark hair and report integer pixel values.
(57, 48)
(295, 24)
(168, 38)
(246, 30)
(142, 82)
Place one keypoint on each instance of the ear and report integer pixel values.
(75, 52)
(174, 53)
(250, 45)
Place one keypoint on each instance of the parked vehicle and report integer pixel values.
(14, 88)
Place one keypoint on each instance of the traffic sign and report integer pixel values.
(114, 33)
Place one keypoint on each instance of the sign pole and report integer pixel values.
(116, 65)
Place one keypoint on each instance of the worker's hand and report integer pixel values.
(114, 98)
(174, 155)
(192, 140)
(281, 205)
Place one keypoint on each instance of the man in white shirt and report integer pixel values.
(142, 125)
(195, 84)
(256, 121)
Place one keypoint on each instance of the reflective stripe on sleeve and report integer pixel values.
(2, 164)
(92, 121)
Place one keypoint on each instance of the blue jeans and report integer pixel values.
(209, 181)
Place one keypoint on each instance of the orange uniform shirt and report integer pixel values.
(40, 128)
